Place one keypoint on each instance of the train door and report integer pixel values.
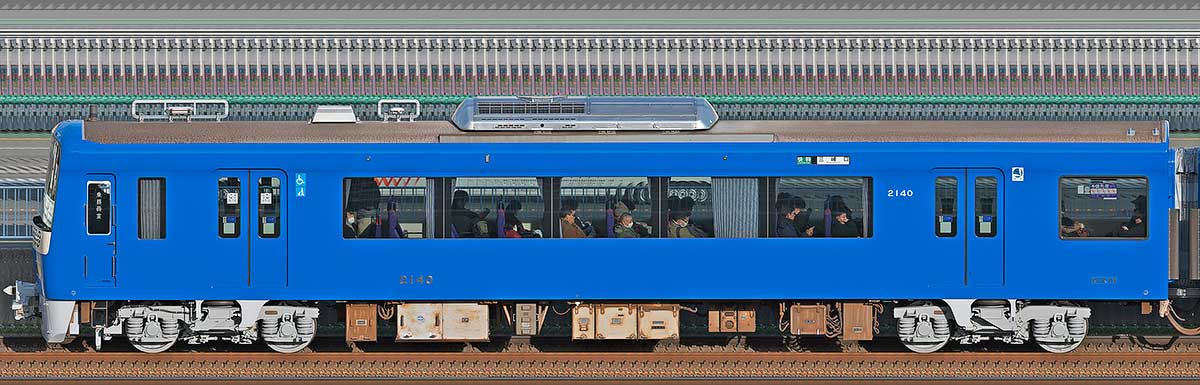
(268, 233)
(251, 229)
(968, 211)
(100, 248)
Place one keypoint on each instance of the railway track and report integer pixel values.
(474, 366)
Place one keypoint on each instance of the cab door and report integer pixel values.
(969, 227)
(100, 245)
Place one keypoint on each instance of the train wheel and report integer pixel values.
(1064, 347)
(926, 347)
(152, 347)
(288, 347)
(924, 327)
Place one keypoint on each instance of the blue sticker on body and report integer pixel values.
(301, 184)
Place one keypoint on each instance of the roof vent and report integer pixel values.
(584, 113)
(334, 114)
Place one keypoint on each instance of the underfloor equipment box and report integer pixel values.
(858, 321)
(658, 322)
(361, 323)
(732, 319)
(809, 319)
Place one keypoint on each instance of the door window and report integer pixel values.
(99, 208)
(269, 221)
(229, 207)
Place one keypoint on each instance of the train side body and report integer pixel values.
(902, 259)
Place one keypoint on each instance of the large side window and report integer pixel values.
(1103, 207)
(99, 208)
(152, 208)
(823, 207)
(689, 208)
(385, 207)
(497, 208)
(606, 207)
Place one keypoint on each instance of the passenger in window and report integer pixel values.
(568, 221)
(790, 224)
(583, 225)
(467, 223)
(843, 227)
(390, 227)
(625, 227)
(1069, 228)
(359, 224)
(626, 206)
(679, 226)
(510, 230)
(1134, 228)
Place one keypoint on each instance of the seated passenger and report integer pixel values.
(1072, 229)
(679, 227)
(624, 227)
(359, 224)
(467, 223)
(567, 222)
(510, 230)
(842, 227)
(788, 225)
(585, 226)
(1134, 228)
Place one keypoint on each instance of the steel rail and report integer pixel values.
(645, 366)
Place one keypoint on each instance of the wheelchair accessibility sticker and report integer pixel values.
(301, 184)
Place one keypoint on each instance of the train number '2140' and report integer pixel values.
(416, 279)
(899, 193)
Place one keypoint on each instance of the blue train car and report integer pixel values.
(168, 231)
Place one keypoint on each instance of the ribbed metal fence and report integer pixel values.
(19, 203)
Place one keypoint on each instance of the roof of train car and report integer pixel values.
(723, 131)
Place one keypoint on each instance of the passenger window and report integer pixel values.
(690, 207)
(152, 208)
(987, 220)
(99, 208)
(229, 207)
(945, 203)
(491, 207)
(269, 220)
(830, 207)
(608, 207)
(385, 207)
(1103, 207)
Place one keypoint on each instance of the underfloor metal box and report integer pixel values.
(808, 319)
(658, 322)
(527, 322)
(418, 322)
(616, 322)
(732, 319)
(464, 322)
(361, 323)
(583, 322)
(858, 321)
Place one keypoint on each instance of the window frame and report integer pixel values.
(107, 209)
(162, 209)
(937, 207)
(431, 213)
(1058, 193)
(868, 197)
